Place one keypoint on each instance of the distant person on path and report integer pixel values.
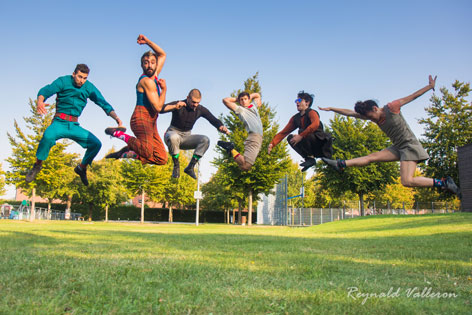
(406, 148)
(72, 94)
(311, 142)
(178, 136)
(248, 113)
(147, 145)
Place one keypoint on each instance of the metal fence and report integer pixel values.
(24, 213)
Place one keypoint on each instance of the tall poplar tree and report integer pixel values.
(267, 169)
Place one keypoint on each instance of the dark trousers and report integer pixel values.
(317, 144)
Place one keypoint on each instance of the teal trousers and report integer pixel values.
(60, 129)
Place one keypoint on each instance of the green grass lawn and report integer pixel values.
(80, 267)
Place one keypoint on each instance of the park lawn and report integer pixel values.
(80, 267)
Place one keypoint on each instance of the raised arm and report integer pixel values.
(409, 98)
(343, 111)
(257, 98)
(158, 50)
(149, 88)
(230, 102)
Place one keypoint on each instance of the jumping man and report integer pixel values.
(147, 145)
(178, 136)
(72, 93)
(249, 115)
(406, 148)
(311, 141)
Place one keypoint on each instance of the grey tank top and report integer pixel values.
(397, 129)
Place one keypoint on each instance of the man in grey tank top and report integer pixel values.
(248, 112)
(406, 148)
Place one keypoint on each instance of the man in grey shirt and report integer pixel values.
(249, 115)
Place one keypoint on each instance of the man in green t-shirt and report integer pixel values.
(72, 94)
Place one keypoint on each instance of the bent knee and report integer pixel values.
(407, 182)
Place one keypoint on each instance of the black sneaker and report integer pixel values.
(451, 186)
(228, 146)
(82, 173)
(33, 172)
(176, 169)
(190, 172)
(111, 130)
(334, 164)
(117, 154)
(309, 162)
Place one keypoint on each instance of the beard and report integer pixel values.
(149, 71)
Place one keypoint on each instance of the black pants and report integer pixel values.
(317, 144)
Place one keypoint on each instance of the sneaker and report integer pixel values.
(176, 169)
(190, 172)
(33, 172)
(309, 162)
(228, 146)
(82, 173)
(333, 163)
(451, 186)
(111, 130)
(117, 154)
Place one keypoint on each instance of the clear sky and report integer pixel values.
(342, 51)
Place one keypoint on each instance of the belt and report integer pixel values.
(66, 117)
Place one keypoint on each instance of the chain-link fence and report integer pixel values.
(274, 209)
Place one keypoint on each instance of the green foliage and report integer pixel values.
(217, 195)
(105, 185)
(295, 180)
(138, 176)
(356, 138)
(178, 191)
(446, 128)
(52, 181)
(2, 181)
(268, 169)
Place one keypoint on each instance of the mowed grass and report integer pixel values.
(79, 267)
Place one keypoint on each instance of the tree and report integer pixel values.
(295, 181)
(446, 128)
(2, 181)
(178, 191)
(144, 179)
(355, 138)
(218, 196)
(53, 180)
(268, 169)
(105, 186)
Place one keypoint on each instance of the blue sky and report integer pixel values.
(342, 51)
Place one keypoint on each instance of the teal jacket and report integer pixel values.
(70, 99)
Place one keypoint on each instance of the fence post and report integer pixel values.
(404, 211)
(417, 207)
(321, 216)
(432, 206)
(331, 213)
(300, 212)
(311, 216)
(344, 211)
(446, 207)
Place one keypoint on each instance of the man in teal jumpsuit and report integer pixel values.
(72, 94)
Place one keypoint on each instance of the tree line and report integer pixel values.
(446, 125)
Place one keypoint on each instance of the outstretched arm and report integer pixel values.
(230, 102)
(158, 50)
(257, 98)
(343, 111)
(409, 98)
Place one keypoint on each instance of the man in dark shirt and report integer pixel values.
(178, 136)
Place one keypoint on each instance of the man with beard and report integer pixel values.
(147, 145)
(178, 136)
(72, 94)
